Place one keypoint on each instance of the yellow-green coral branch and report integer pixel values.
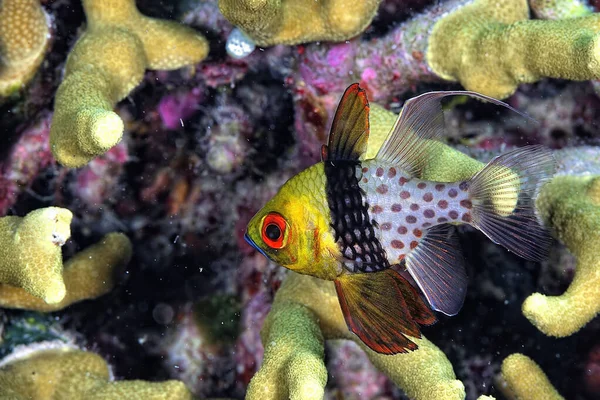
(72, 374)
(571, 206)
(492, 47)
(87, 275)
(293, 366)
(107, 63)
(30, 254)
(523, 379)
(305, 311)
(270, 22)
(24, 38)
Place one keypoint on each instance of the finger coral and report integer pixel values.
(492, 49)
(31, 266)
(270, 22)
(66, 373)
(523, 379)
(87, 275)
(571, 206)
(24, 38)
(106, 63)
(305, 312)
(30, 254)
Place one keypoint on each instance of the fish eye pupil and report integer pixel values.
(273, 232)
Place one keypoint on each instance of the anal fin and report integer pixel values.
(382, 308)
(438, 267)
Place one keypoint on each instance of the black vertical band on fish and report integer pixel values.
(350, 220)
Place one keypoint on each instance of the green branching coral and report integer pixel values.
(107, 62)
(523, 379)
(571, 206)
(492, 47)
(305, 312)
(66, 373)
(270, 22)
(24, 38)
(31, 266)
(87, 275)
(30, 255)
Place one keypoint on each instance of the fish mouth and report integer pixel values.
(255, 246)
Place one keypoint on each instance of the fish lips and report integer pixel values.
(255, 246)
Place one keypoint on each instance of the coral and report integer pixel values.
(99, 179)
(492, 49)
(24, 38)
(558, 9)
(487, 48)
(106, 64)
(198, 345)
(31, 266)
(30, 256)
(523, 379)
(270, 22)
(19, 169)
(60, 372)
(87, 275)
(570, 204)
(305, 312)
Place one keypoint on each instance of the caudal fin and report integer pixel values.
(503, 196)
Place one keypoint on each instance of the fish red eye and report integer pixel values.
(273, 230)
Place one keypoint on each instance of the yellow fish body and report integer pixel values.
(350, 220)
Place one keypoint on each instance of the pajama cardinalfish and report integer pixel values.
(350, 220)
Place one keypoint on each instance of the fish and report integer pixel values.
(358, 222)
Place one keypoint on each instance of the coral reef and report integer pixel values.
(523, 379)
(24, 39)
(207, 146)
(105, 65)
(270, 22)
(61, 372)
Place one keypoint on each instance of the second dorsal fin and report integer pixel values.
(350, 128)
(419, 125)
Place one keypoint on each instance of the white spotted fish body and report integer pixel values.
(404, 208)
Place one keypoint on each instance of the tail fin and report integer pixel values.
(503, 197)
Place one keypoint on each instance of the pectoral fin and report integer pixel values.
(382, 308)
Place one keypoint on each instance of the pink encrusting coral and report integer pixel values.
(26, 159)
(354, 376)
(175, 109)
(99, 179)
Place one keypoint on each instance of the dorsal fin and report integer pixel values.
(419, 124)
(350, 129)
